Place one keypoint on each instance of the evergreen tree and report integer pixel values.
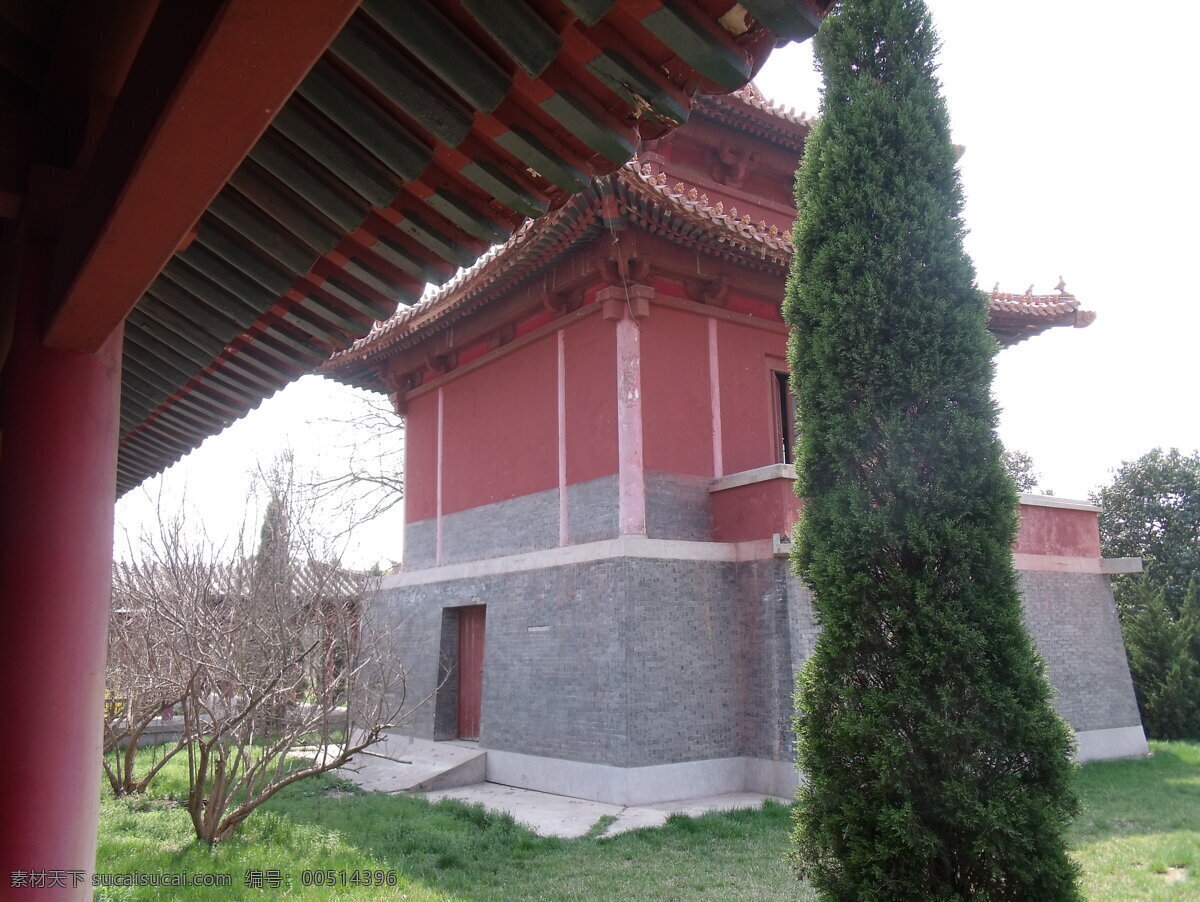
(936, 768)
(1189, 616)
(1163, 659)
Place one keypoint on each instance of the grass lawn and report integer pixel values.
(1138, 838)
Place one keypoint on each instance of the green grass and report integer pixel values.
(1138, 834)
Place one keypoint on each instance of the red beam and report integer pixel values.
(209, 78)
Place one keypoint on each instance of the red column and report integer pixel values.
(57, 489)
(626, 305)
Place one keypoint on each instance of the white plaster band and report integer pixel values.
(634, 546)
(1118, 742)
(1052, 501)
(561, 366)
(606, 549)
(641, 785)
(1061, 563)
(668, 782)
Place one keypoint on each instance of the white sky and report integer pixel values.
(1079, 122)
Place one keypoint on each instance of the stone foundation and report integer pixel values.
(628, 670)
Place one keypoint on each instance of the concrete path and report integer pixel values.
(456, 770)
(567, 817)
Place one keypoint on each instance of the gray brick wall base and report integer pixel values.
(608, 673)
(1072, 619)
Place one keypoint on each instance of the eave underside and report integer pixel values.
(422, 135)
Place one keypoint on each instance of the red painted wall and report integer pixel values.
(1055, 530)
(591, 369)
(420, 458)
(500, 424)
(755, 511)
(755, 307)
(747, 356)
(500, 429)
(676, 408)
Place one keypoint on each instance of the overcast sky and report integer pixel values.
(1079, 128)
(1078, 119)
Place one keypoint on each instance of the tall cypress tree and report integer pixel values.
(936, 767)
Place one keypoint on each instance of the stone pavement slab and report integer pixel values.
(406, 764)
(563, 816)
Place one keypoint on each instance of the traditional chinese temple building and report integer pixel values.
(599, 487)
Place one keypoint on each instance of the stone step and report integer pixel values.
(407, 764)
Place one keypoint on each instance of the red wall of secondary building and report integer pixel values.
(500, 429)
(1057, 531)
(748, 355)
(676, 406)
(500, 423)
(591, 394)
(420, 458)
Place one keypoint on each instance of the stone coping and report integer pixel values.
(1053, 501)
(749, 477)
(788, 471)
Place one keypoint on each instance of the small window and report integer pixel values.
(785, 418)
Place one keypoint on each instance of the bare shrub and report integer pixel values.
(264, 656)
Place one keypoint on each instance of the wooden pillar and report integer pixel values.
(59, 412)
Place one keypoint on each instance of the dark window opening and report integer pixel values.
(785, 418)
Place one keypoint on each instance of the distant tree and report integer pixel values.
(1019, 465)
(1163, 660)
(371, 480)
(935, 766)
(1152, 510)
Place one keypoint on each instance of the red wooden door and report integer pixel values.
(470, 669)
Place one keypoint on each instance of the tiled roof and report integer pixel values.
(1016, 317)
(673, 205)
(684, 216)
(750, 111)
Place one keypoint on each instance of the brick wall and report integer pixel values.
(1073, 622)
(525, 523)
(625, 661)
(678, 507)
(420, 544)
(766, 648)
(632, 661)
(592, 510)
